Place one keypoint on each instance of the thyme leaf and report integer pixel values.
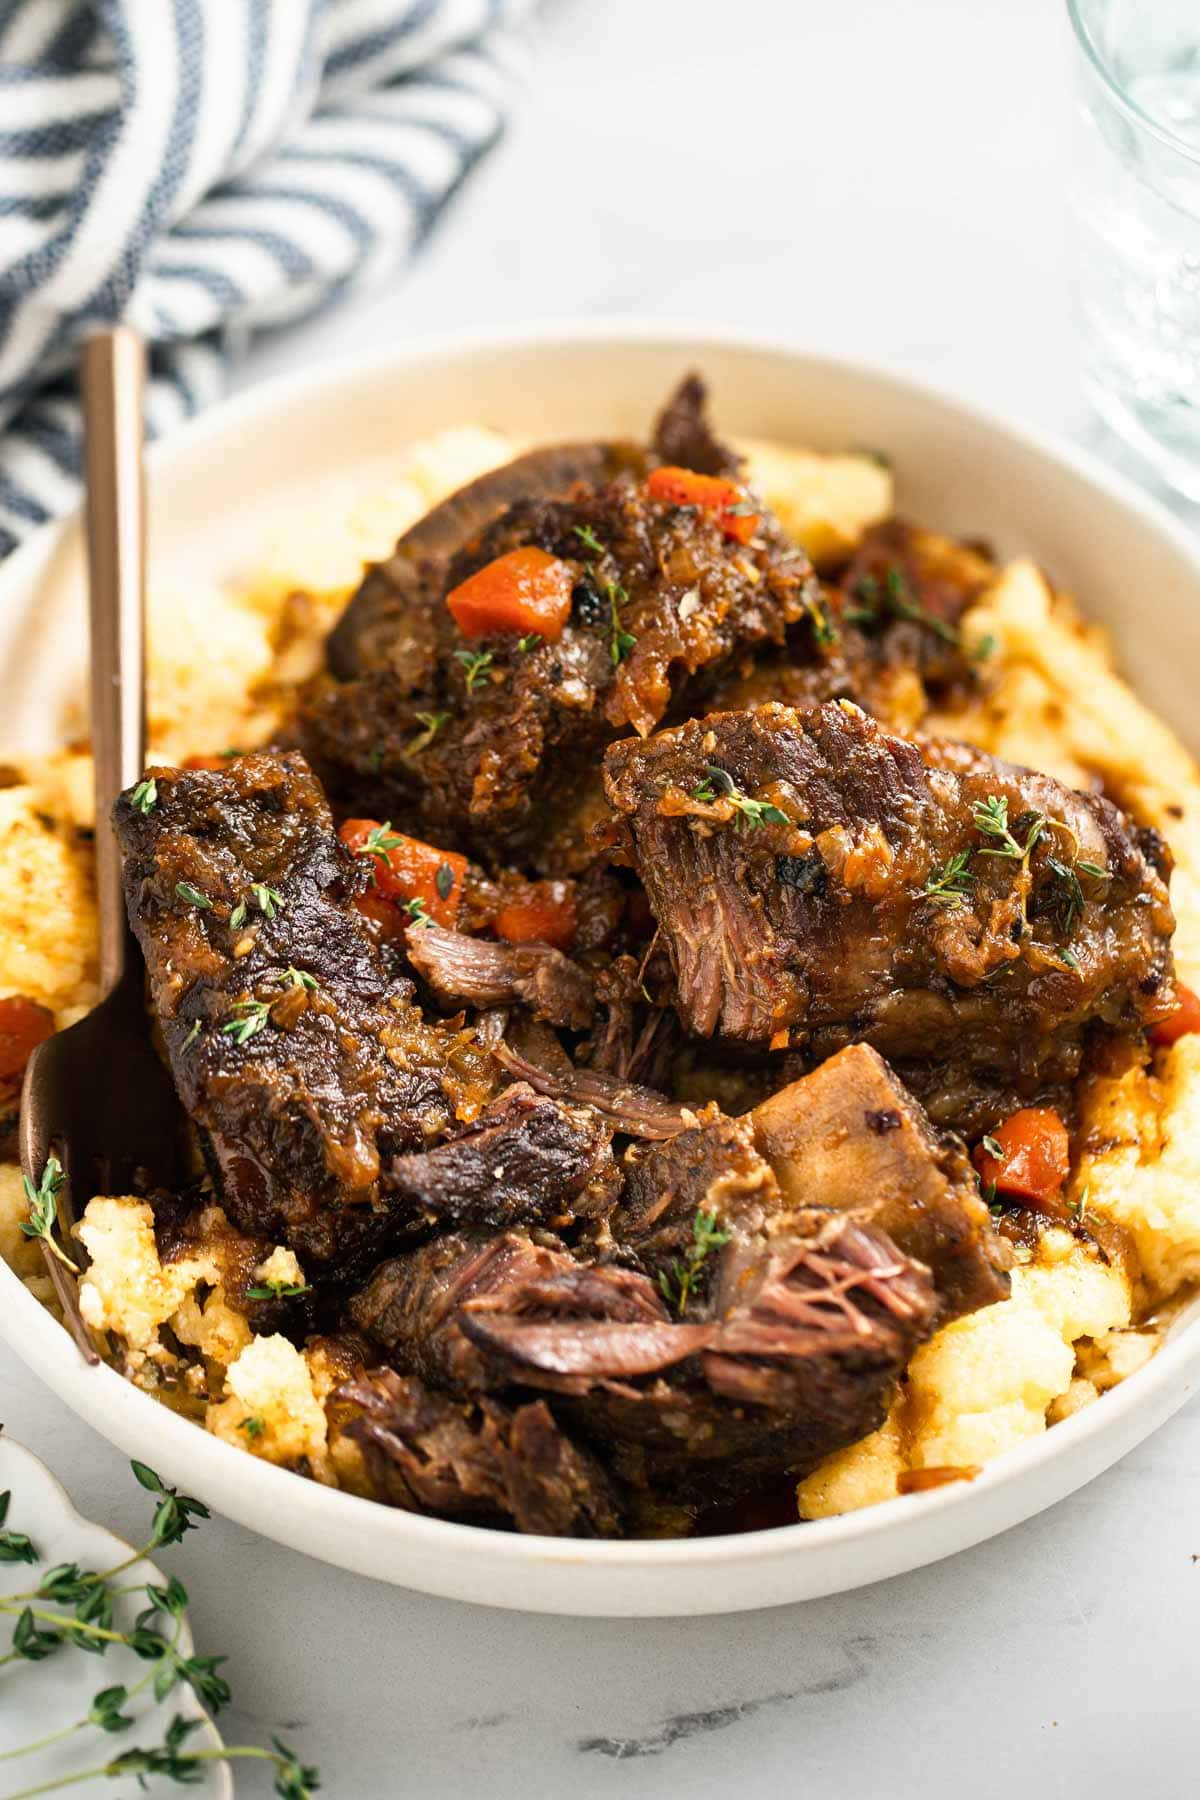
(476, 664)
(144, 797)
(588, 538)
(42, 1203)
(678, 1282)
(718, 784)
(193, 896)
(433, 722)
(268, 900)
(247, 1019)
(621, 642)
(952, 882)
(278, 1290)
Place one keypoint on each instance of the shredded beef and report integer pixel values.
(836, 914)
(478, 1460)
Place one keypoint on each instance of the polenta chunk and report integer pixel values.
(825, 502)
(984, 1384)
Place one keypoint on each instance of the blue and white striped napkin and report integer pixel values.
(203, 169)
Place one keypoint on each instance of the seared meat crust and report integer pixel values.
(294, 1043)
(872, 905)
(511, 769)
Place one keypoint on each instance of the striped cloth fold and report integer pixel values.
(204, 169)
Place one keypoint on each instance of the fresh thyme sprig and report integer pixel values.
(299, 978)
(718, 784)
(42, 1202)
(433, 722)
(44, 1629)
(896, 598)
(990, 818)
(144, 797)
(476, 664)
(678, 1282)
(378, 841)
(15, 1547)
(417, 910)
(247, 1019)
(588, 538)
(952, 882)
(621, 642)
(823, 628)
(268, 900)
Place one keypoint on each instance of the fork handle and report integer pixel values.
(113, 382)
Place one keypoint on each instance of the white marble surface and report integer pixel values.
(887, 180)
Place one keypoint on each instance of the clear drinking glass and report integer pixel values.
(1137, 221)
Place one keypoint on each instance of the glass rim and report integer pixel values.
(1155, 127)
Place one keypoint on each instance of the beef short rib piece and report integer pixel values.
(817, 882)
(850, 1138)
(294, 1044)
(478, 1460)
(526, 1160)
(476, 1313)
(714, 1170)
(810, 1323)
(662, 596)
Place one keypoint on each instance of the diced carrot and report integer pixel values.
(1185, 1018)
(23, 1026)
(406, 870)
(1035, 1155)
(543, 914)
(684, 487)
(526, 590)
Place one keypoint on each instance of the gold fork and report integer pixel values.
(98, 1112)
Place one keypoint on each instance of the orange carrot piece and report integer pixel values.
(1035, 1155)
(527, 591)
(1185, 1018)
(411, 875)
(684, 487)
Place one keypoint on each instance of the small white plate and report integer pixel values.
(221, 485)
(37, 1698)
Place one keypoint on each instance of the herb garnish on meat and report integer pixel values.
(678, 1282)
(433, 722)
(718, 784)
(476, 664)
(952, 881)
(251, 1018)
(895, 598)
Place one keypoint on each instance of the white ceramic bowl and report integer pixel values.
(217, 485)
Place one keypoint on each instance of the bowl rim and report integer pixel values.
(227, 1470)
